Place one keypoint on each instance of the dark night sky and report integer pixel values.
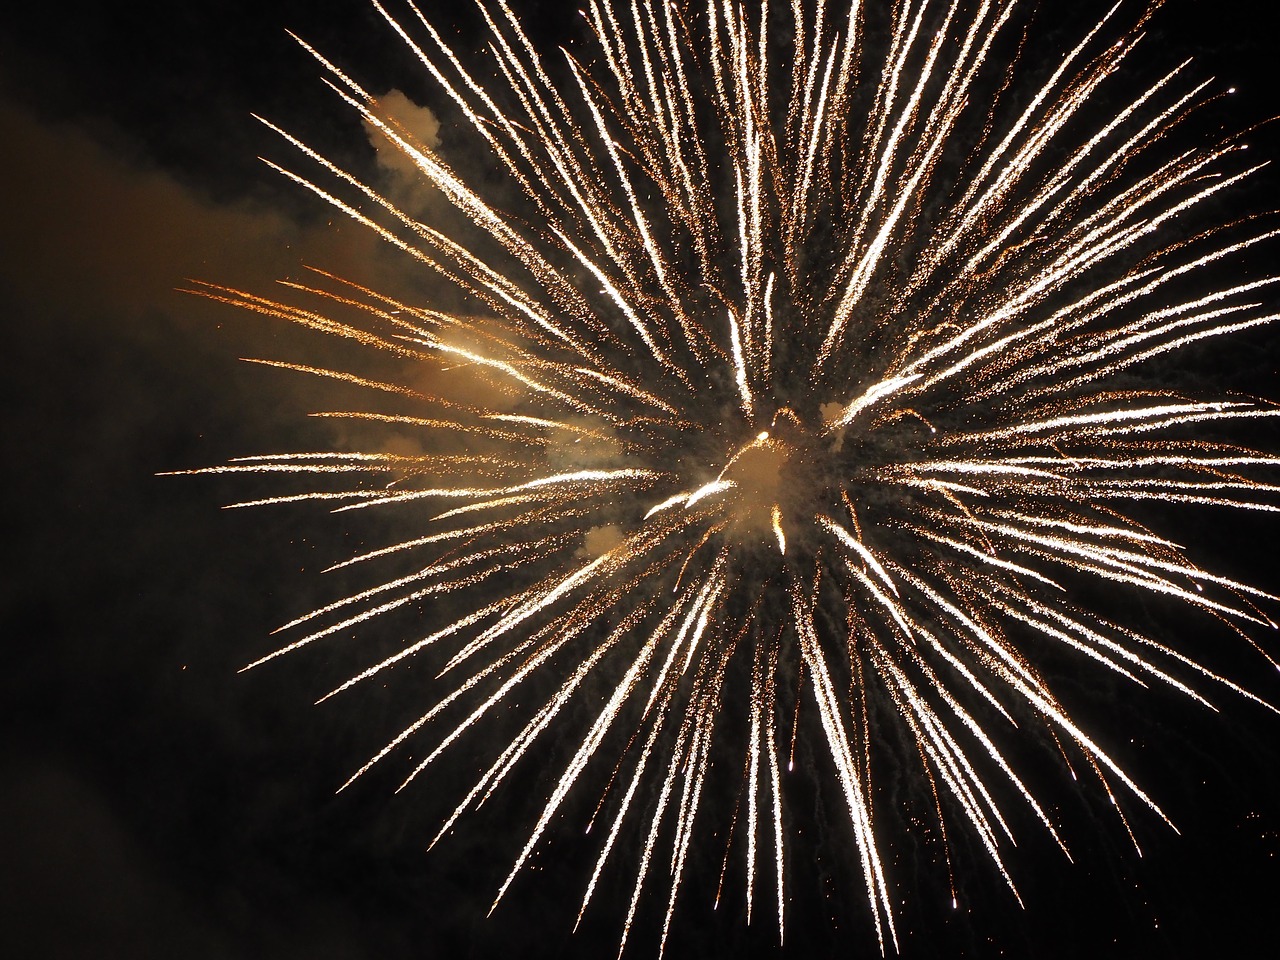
(155, 803)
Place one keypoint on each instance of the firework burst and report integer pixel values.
(785, 374)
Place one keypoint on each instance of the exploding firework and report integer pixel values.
(784, 374)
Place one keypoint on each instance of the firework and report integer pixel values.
(784, 374)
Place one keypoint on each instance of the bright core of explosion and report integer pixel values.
(783, 382)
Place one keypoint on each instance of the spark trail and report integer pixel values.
(793, 375)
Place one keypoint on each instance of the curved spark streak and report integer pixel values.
(596, 494)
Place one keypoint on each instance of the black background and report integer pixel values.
(155, 803)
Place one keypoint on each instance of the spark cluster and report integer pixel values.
(792, 365)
